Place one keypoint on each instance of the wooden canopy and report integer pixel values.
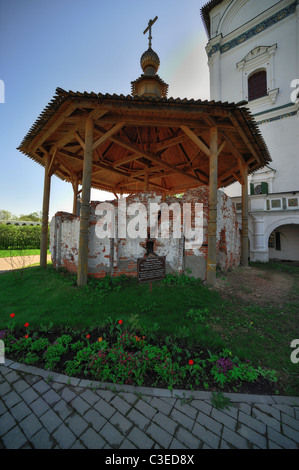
(145, 143)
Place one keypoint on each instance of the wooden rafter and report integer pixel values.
(107, 135)
(196, 140)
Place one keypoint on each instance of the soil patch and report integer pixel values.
(254, 285)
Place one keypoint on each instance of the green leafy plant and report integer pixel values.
(219, 401)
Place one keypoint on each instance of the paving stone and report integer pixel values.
(51, 397)
(4, 389)
(107, 395)
(235, 439)
(289, 410)
(138, 419)
(14, 439)
(6, 423)
(64, 437)
(166, 423)
(269, 410)
(244, 407)
(252, 436)
(126, 444)
(232, 411)
(92, 440)
(63, 409)
(159, 435)
(20, 410)
(121, 423)
(41, 387)
(209, 423)
(78, 445)
(224, 419)
(273, 445)
(42, 440)
(11, 399)
(201, 405)
(188, 439)
(12, 377)
(252, 422)
(104, 408)
(112, 435)
(3, 408)
(121, 405)
(140, 440)
(29, 395)
(76, 424)
(67, 394)
(206, 436)
(182, 419)
(90, 397)
(264, 418)
(161, 405)
(281, 440)
(30, 425)
(129, 398)
(20, 386)
(291, 433)
(292, 422)
(186, 409)
(94, 418)
(175, 444)
(80, 405)
(145, 409)
(50, 420)
(57, 386)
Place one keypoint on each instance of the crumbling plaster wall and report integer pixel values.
(115, 256)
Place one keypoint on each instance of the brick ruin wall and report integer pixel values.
(116, 256)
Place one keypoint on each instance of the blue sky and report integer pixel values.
(84, 45)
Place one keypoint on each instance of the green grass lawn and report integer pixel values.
(28, 252)
(178, 307)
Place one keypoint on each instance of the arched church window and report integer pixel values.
(257, 85)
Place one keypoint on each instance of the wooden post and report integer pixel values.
(75, 189)
(45, 215)
(84, 212)
(212, 223)
(244, 240)
(146, 180)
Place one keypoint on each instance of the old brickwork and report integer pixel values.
(116, 255)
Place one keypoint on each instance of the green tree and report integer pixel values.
(33, 217)
(6, 215)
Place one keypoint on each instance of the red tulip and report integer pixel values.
(87, 336)
(120, 322)
(190, 362)
(26, 336)
(26, 325)
(12, 315)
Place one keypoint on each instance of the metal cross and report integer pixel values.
(149, 28)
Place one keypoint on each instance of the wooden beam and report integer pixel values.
(244, 136)
(196, 140)
(81, 142)
(160, 121)
(94, 114)
(84, 212)
(45, 213)
(40, 139)
(212, 222)
(149, 156)
(244, 242)
(75, 198)
(108, 134)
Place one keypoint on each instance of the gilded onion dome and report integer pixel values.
(150, 62)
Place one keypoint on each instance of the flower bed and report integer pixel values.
(117, 354)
